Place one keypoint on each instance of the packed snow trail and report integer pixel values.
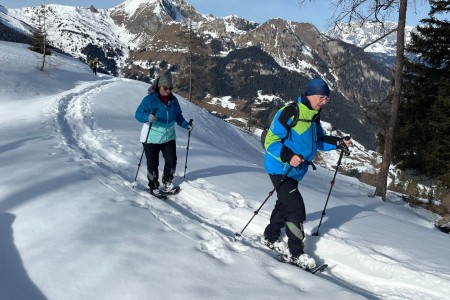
(112, 153)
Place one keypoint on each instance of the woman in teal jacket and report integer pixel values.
(160, 108)
(295, 145)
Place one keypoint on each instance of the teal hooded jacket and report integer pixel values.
(163, 129)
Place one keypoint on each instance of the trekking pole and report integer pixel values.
(347, 153)
(187, 148)
(238, 235)
(143, 150)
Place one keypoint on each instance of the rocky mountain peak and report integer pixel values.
(362, 34)
(144, 18)
(240, 23)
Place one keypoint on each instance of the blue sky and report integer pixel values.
(316, 12)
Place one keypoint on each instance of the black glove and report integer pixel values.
(345, 146)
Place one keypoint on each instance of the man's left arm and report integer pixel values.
(327, 142)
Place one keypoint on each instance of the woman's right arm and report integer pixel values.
(143, 110)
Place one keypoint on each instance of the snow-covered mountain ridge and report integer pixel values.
(139, 20)
(72, 29)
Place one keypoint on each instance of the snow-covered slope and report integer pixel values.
(71, 227)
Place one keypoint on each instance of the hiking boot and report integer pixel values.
(268, 243)
(153, 185)
(277, 245)
(168, 187)
(304, 261)
(157, 193)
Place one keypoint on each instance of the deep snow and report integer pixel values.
(71, 227)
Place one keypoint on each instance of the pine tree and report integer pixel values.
(39, 39)
(422, 139)
(194, 77)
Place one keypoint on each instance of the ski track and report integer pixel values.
(187, 213)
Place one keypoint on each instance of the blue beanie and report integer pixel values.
(317, 86)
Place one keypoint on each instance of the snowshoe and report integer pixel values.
(158, 193)
(277, 246)
(170, 189)
(303, 261)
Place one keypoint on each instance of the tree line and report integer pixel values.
(422, 138)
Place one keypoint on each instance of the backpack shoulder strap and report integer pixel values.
(289, 111)
(296, 115)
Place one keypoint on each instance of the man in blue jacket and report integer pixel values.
(161, 108)
(295, 146)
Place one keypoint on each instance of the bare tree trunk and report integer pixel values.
(381, 187)
(44, 47)
(190, 61)
(44, 32)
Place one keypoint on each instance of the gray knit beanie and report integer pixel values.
(165, 80)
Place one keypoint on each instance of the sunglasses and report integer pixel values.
(324, 98)
(165, 88)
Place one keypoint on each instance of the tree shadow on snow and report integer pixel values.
(14, 280)
(334, 218)
(38, 188)
(221, 170)
(17, 144)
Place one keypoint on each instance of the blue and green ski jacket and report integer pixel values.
(305, 138)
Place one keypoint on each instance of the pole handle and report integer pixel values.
(187, 148)
(344, 146)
